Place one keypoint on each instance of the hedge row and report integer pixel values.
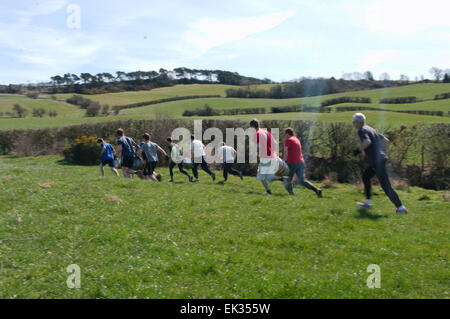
(327, 146)
(399, 100)
(346, 99)
(117, 108)
(442, 96)
(299, 108)
(365, 108)
(209, 111)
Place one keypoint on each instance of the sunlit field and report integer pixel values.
(139, 239)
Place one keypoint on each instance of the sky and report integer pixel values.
(280, 40)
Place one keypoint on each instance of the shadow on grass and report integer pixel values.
(365, 213)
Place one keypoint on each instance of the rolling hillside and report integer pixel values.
(70, 115)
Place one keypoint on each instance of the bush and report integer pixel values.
(38, 112)
(52, 113)
(20, 110)
(83, 151)
(93, 109)
(33, 95)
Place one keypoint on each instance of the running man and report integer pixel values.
(294, 158)
(267, 156)
(198, 158)
(373, 145)
(150, 150)
(106, 157)
(125, 150)
(227, 155)
(176, 159)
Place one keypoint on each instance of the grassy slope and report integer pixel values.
(163, 241)
(63, 109)
(176, 108)
(155, 94)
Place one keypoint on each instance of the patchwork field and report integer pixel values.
(134, 238)
(71, 115)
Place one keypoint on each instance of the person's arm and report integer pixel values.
(365, 144)
(161, 150)
(384, 141)
(365, 140)
(285, 155)
(119, 150)
(234, 154)
(102, 151)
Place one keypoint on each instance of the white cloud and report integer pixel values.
(407, 16)
(374, 58)
(207, 33)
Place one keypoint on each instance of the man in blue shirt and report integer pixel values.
(106, 156)
(373, 144)
(126, 151)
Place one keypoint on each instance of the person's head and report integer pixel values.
(169, 140)
(146, 137)
(289, 132)
(224, 144)
(359, 120)
(192, 137)
(100, 140)
(120, 132)
(254, 123)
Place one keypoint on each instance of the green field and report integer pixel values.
(155, 94)
(71, 115)
(64, 109)
(134, 238)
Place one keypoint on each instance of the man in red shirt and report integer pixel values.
(268, 159)
(294, 158)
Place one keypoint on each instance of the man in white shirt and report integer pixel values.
(198, 158)
(227, 155)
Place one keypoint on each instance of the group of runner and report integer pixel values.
(373, 145)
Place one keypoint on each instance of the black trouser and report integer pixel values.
(180, 167)
(150, 168)
(227, 168)
(204, 166)
(379, 169)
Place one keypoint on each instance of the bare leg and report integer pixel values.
(102, 170)
(266, 185)
(114, 171)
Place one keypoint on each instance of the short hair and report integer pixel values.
(146, 136)
(99, 140)
(169, 140)
(254, 123)
(359, 117)
(192, 137)
(120, 131)
(289, 131)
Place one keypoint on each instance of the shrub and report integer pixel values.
(93, 109)
(38, 112)
(83, 150)
(20, 110)
(33, 95)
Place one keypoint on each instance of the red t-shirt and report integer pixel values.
(295, 155)
(264, 140)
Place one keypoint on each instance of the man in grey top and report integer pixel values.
(150, 151)
(373, 145)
